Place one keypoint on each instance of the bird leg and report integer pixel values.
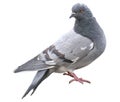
(75, 78)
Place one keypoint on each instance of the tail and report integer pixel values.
(32, 65)
(39, 77)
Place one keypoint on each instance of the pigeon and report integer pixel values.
(74, 50)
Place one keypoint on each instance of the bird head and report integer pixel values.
(80, 11)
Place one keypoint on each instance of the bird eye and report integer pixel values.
(81, 11)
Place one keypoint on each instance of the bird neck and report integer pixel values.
(91, 29)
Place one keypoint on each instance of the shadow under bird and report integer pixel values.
(74, 50)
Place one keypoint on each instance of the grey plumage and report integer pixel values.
(39, 77)
(74, 50)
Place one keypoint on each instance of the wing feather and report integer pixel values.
(67, 50)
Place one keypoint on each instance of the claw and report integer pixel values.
(75, 78)
(68, 73)
(79, 80)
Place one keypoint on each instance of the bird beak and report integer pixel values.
(72, 15)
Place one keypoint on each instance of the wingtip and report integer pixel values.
(19, 69)
(16, 70)
(22, 97)
(26, 94)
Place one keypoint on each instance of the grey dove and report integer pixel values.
(74, 50)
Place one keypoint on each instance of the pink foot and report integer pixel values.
(76, 78)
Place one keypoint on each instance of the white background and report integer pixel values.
(29, 26)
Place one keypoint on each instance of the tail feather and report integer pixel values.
(32, 65)
(39, 77)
